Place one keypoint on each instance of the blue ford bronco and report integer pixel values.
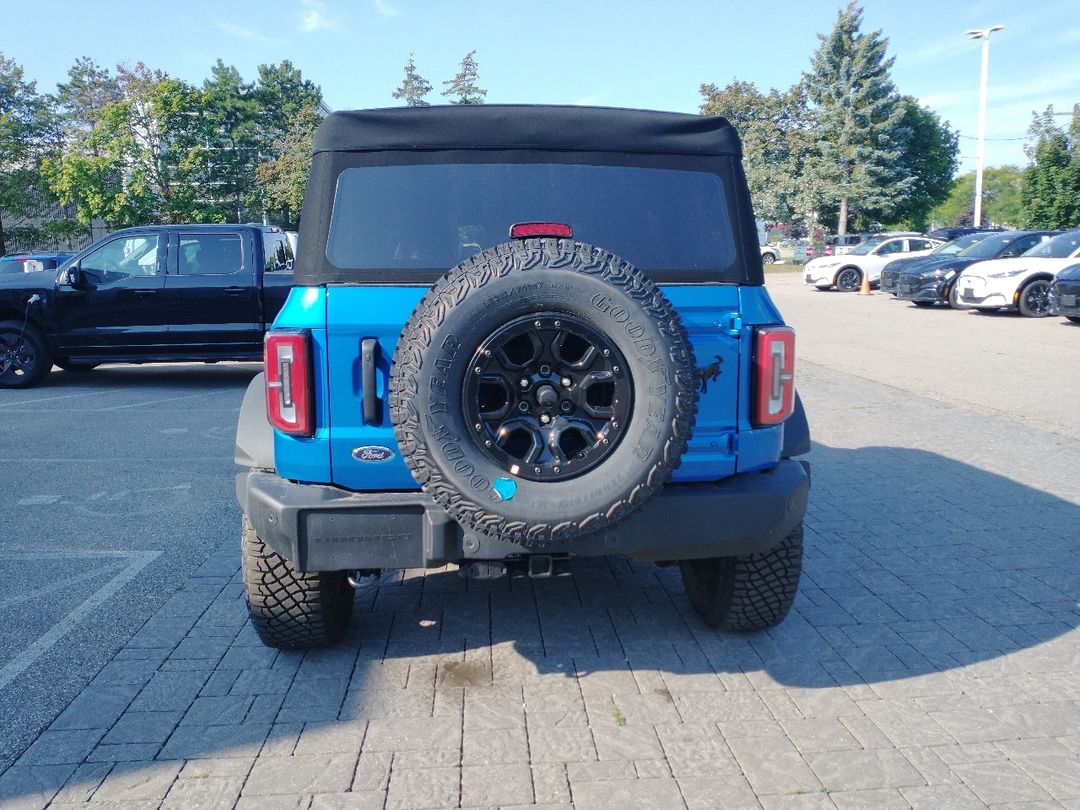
(520, 334)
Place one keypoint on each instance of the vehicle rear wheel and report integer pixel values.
(24, 360)
(751, 592)
(768, 258)
(1035, 299)
(292, 610)
(848, 279)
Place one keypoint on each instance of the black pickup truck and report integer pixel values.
(158, 293)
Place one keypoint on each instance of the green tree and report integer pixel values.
(462, 89)
(1002, 199)
(413, 87)
(1052, 180)
(232, 114)
(859, 118)
(283, 94)
(80, 100)
(284, 179)
(21, 110)
(146, 155)
(776, 139)
(931, 157)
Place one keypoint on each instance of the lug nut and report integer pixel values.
(566, 382)
(544, 418)
(524, 383)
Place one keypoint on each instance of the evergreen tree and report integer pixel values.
(283, 94)
(462, 89)
(859, 116)
(80, 100)
(1052, 180)
(413, 87)
(232, 112)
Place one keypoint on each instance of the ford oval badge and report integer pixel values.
(373, 452)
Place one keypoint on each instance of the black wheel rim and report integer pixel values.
(548, 397)
(1037, 298)
(17, 355)
(849, 280)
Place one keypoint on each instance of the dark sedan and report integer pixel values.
(890, 274)
(932, 281)
(1065, 293)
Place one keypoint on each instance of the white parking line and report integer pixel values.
(138, 561)
(167, 399)
(38, 401)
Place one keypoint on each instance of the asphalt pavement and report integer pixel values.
(931, 660)
(117, 487)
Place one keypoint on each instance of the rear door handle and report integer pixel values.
(144, 293)
(235, 290)
(369, 360)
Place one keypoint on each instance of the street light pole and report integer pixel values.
(984, 35)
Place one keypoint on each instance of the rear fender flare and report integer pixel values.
(254, 435)
(796, 432)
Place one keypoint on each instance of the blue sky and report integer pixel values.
(631, 53)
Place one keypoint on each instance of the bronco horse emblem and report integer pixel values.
(710, 372)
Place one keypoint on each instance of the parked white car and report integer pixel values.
(867, 258)
(1021, 283)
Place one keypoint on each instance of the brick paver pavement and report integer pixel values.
(932, 660)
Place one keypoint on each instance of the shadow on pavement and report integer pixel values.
(917, 567)
(133, 376)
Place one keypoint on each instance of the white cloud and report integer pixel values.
(245, 33)
(385, 9)
(313, 17)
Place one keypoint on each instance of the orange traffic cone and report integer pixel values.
(864, 287)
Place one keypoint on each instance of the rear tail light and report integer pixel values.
(289, 397)
(774, 374)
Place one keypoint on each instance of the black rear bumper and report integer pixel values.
(324, 528)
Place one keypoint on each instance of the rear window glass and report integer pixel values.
(433, 216)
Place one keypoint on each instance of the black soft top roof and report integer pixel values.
(494, 126)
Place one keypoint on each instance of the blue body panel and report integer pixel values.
(353, 314)
(718, 319)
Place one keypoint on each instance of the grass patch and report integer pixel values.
(616, 712)
(783, 268)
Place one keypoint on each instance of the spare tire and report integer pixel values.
(542, 390)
